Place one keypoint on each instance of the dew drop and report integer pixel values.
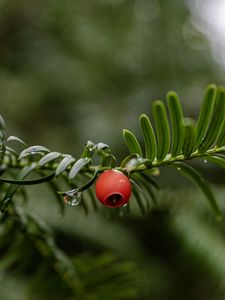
(72, 200)
(205, 161)
(178, 168)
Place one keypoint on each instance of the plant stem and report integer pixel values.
(99, 169)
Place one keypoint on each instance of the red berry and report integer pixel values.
(113, 188)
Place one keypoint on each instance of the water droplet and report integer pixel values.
(125, 205)
(72, 200)
(205, 161)
(178, 168)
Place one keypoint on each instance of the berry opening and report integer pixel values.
(114, 200)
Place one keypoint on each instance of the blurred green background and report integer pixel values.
(72, 71)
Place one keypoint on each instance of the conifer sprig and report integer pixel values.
(171, 139)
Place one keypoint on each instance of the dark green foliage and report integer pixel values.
(78, 165)
(162, 129)
(171, 143)
(176, 116)
(49, 157)
(132, 142)
(163, 149)
(189, 141)
(27, 236)
(221, 138)
(218, 160)
(197, 179)
(205, 114)
(189, 137)
(216, 122)
(64, 164)
(149, 137)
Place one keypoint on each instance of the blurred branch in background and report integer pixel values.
(82, 69)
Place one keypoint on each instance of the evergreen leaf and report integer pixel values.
(205, 114)
(216, 122)
(218, 160)
(147, 186)
(189, 138)
(64, 164)
(162, 129)
(176, 116)
(199, 181)
(132, 142)
(139, 201)
(88, 149)
(16, 139)
(149, 137)
(133, 161)
(137, 183)
(79, 164)
(151, 180)
(34, 150)
(221, 138)
(49, 158)
(12, 151)
(128, 158)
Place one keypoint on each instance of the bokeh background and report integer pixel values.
(72, 71)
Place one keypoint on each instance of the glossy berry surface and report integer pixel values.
(113, 188)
